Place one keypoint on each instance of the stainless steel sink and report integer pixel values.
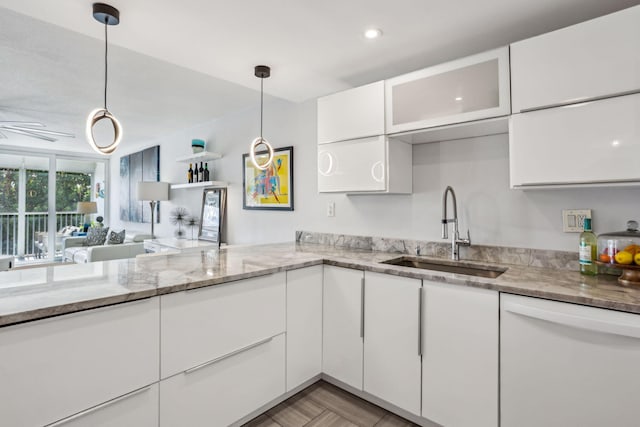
(488, 271)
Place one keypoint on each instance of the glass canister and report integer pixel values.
(620, 248)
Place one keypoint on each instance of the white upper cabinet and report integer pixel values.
(353, 113)
(589, 60)
(471, 88)
(591, 143)
(368, 165)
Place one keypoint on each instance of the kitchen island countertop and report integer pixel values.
(37, 293)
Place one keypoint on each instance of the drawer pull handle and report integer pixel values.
(574, 321)
(420, 321)
(226, 356)
(98, 407)
(362, 308)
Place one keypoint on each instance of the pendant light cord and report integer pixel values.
(261, 102)
(106, 47)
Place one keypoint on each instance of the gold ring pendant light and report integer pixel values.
(262, 72)
(106, 15)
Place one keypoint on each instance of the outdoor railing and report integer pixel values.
(35, 222)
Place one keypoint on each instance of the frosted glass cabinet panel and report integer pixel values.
(351, 114)
(590, 143)
(592, 59)
(365, 165)
(471, 88)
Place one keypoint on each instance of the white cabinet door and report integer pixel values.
(592, 59)
(200, 325)
(222, 392)
(371, 165)
(136, 409)
(460, 355)
(343, 324)
(53, 368)
(567, 365)
(391, 339)
(351, 114)
(304, 325)
(471, 88)
(590, 143)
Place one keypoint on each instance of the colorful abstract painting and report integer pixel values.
(271, 188)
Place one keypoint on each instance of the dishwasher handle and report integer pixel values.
(573, 320)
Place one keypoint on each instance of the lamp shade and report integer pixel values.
(87, 207)
(153, 191)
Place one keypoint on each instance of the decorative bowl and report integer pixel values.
(197, 145)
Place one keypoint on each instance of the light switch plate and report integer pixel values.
(331, 209)
(573, 219)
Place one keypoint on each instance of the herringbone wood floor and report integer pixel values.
(324, 405)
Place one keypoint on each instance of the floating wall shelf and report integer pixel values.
(199, 185)
(200, 157)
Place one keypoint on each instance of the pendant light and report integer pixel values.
(262, 72)
(106, 15)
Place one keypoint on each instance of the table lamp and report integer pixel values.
(153, 192)
(87, 208)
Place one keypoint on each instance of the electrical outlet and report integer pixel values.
(331, 209)
(573, 219)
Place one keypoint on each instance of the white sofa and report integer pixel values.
(75, 249)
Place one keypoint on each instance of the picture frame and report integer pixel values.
(212, 214)
(270, 189)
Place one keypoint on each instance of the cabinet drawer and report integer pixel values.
(138, 408)
(592, 59)
(589, 143)
(226, 390)
(203, 324)
(57, 367)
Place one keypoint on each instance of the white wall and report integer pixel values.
(477, 169)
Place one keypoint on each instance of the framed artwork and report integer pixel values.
(212, 216)
(270, 189)
(141, 166)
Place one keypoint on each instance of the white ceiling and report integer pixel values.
(176, 64)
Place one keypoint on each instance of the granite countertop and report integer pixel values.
(37, 293)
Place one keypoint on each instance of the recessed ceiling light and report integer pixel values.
(373, 33)
(458, 98)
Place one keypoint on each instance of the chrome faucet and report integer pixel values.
(456, 241)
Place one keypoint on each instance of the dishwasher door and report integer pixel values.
(567, 365)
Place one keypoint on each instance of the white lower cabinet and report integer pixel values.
(567, 365)
(304, 325)
(136, 409)
(203, 324)
(342, 324)
(225, 390)
(460, 355)
(54, 368)
(391, 339)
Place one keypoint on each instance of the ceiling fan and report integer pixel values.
(32, 129)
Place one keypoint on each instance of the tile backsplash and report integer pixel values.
(561, 260)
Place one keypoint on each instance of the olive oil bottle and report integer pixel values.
(588, 250)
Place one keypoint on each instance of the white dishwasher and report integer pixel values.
(567, 365)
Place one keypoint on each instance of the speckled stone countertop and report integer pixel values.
(38, 293)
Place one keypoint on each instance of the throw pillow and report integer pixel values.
(116, 238)
(97, 236)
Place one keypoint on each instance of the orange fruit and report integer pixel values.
(605, 258)
(637, 258)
